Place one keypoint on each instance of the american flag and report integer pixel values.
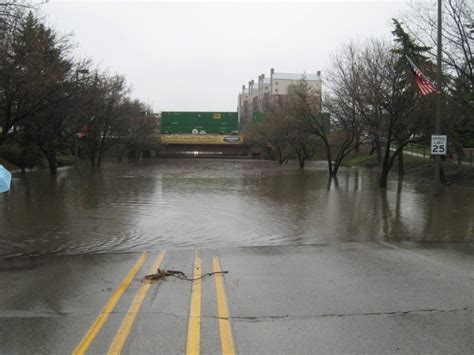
(424, 85)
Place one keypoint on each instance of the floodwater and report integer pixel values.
(186, 203)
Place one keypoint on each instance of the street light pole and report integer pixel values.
(437, 161)
(76, 137)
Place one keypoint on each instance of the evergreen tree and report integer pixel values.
(406, 47)
(47, 87)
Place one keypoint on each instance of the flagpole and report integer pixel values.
(437, 161)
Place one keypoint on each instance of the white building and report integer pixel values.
(271, 90)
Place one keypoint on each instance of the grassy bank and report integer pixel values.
(420, 168)
(423, 168)
(362, 159)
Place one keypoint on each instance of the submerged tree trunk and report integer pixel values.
(335, 168)
(121, 153)
(384, 176)
(101, 152)
(378, 151)
(301, 159)
(329, 160)
(333, 181)
(280, 156)
(53, 169)
(52, 161)
(385, 167)
(92, 150)
(442, 175)
(401, 166)
(357, 139)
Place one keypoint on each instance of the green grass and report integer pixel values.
(357, 159)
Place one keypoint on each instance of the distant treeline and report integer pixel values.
(55, 108)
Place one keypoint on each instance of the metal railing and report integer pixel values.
(424, 151)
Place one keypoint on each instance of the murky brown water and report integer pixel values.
(217, 203)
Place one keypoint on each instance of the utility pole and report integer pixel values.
(437, 162)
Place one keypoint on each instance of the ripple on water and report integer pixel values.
(211, 204)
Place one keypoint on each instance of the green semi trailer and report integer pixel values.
(192, 122)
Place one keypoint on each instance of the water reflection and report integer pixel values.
(215, 203)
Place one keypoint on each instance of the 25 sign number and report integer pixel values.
(440, 149)
(438, 145)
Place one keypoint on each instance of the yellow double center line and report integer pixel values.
(194, 324)
(225, 329)
(126, 326)
(109, 307)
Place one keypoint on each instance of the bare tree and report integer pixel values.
(306, 106)
(399, 114)
(270, 134)
(345, 105)
(293, 128)
(47, 97)
(458, 35)
(13, 10)
(135, 125)
(109, 92)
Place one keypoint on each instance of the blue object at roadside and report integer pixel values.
(5, 179)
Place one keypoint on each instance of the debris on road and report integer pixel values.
(161, 274)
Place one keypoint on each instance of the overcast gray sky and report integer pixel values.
(196, 56)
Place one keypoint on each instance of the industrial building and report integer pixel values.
(260, 97)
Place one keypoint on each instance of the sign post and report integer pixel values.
(437, 160)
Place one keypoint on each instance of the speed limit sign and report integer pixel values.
(438, 145)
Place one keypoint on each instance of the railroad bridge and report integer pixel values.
(201, 134)
(206, 145)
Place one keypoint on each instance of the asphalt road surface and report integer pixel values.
(372, 297)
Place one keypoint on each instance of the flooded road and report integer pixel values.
(220, 203)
